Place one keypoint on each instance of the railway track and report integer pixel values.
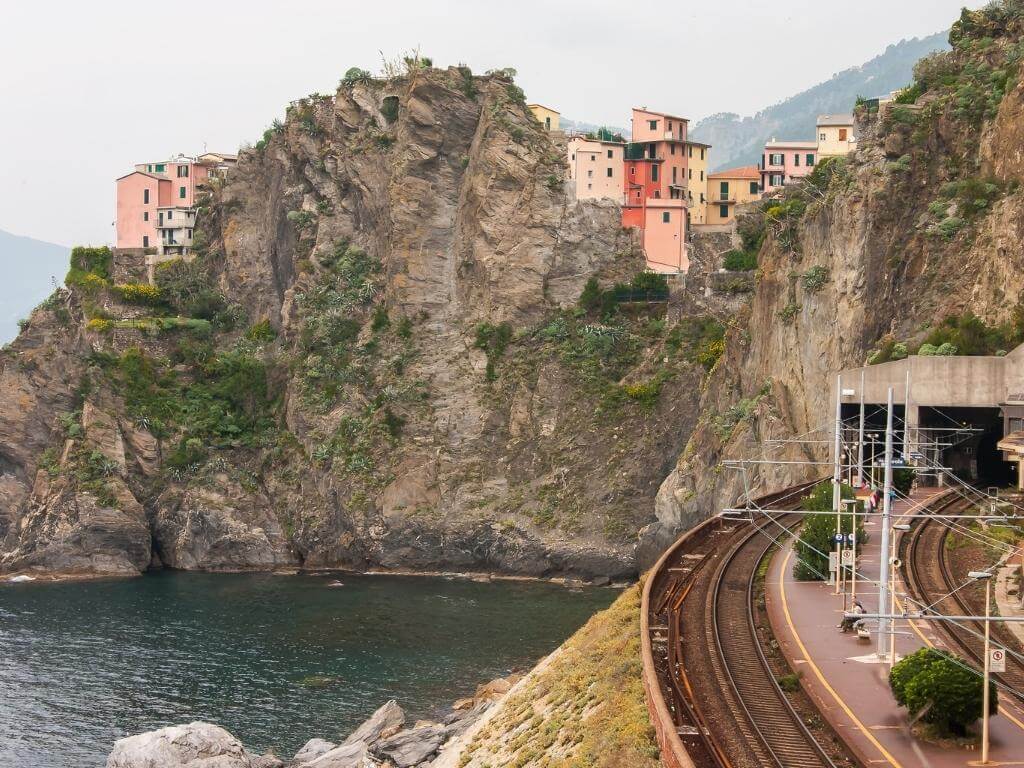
(929, 578)
(727, 707)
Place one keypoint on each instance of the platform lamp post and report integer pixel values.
(903, 528)
(987, 578)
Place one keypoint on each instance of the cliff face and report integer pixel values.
(376, 359)
(922, 224)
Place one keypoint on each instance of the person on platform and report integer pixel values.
(848, 621)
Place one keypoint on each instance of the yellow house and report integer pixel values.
(727, 189)
(835, 135)
(697, 155)
(545, 116)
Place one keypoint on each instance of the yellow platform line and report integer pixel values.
(817, 672)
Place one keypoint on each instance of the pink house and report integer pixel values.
(155, 202)
(786, 161)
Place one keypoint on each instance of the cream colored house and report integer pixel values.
(545, 116)
(728, 189)
(835, 135)
(697, 158)
(595, 168)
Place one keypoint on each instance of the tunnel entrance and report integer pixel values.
(969, 437)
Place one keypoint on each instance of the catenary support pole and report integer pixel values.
(986, 676)
(837, 475)
(883, 570)
(860, 436)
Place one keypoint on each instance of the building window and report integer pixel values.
(159, 167)
(821, 137)
(702, 198)
(632, 170)
(666, 217)
(574, 156)
(590, 186)
(810, 159)
(547, 123)
(593, 158)
(189, 233)
(842, 134)
(754, 187)
(182, 171)
(145, 197)
(796, 160)
(672, 148)
(145, 241)
(674, 177)
(723, 211)
(608, 172)
(702, 175)
(652, 124)
(657, 194)
(689, 151)
(590, 174)
(145, 215)
(702, 153)
(654, 173)
(181, 192)
(670, 125)
(689, 174)
(723, 188)
(610, 154)
(170, 215)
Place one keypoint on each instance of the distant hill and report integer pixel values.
(740, 140)
(29, 268)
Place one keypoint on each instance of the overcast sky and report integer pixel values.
(89, 88)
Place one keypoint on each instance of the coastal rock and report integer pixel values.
(196, 745)
(267, 761)
(345, 756)
(382, 723)
(409, 748)
(312, 749)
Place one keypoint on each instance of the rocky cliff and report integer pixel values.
(398, 346)
(915, 239)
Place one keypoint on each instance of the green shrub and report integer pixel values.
(493, 340)
(262, 331)
(967, 334)
(355, 75)
(468, 85)
(815, 278)
(188, 288)
(789, 312)
(939, 688)
(740, 261)
(301, 219)
(816, 535)
(380, 319)
(910, 94)
(789, 683)
(86, 260)
(140, 293)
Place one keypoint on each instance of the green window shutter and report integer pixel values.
(723, 211)
(666, 217)
(181, 192)
(160, 168)
(725, 189)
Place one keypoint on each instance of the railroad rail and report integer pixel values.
(713, 697)
(929, 578)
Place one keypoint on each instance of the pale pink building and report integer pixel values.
(784, 162)
(595, 168)
(155, 202)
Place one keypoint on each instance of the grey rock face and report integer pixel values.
(381, 724)
(410, 748)
(196, 745)
(345, 756)
(312, 749)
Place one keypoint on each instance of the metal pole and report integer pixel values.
(906, 411)
(837, 475)
(892, 604)
(853, 565)
(883, 570)
(860, 436)
(984, 694)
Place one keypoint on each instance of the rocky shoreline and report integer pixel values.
(384, 740)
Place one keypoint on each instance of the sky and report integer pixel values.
(90, 88)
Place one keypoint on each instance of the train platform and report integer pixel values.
(844, 677)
